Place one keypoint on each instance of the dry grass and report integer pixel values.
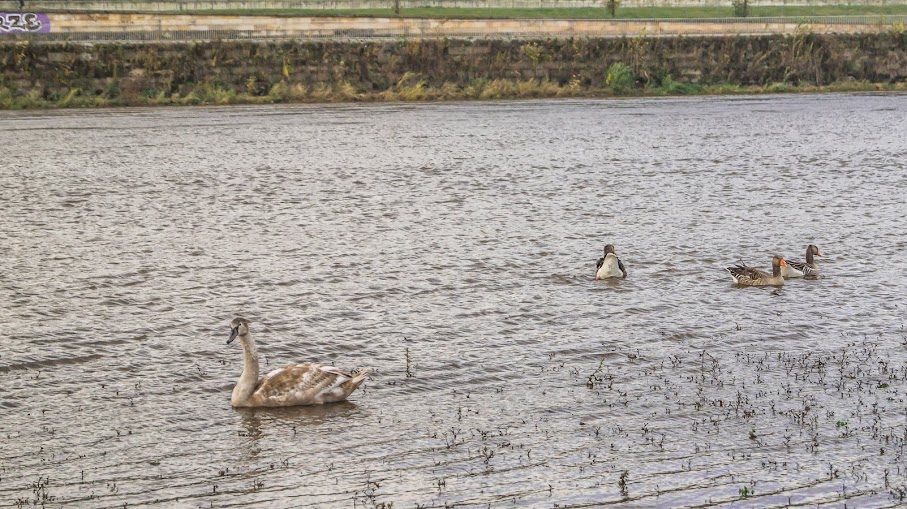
(419, 90)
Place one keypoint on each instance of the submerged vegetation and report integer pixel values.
(60, 75)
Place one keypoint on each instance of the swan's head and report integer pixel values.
(238, 327)
(610, 249)
(814, 250)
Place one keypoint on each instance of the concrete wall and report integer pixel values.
(127, 72)
(195, 5)
(114, 25)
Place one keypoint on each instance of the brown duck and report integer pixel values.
(801, 269)
(749, 276)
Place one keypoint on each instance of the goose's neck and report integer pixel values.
(809, 256)
(776, 270)
(249, 377)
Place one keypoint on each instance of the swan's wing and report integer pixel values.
(308, 383)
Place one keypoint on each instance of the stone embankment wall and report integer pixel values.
(119, 26)
(196, 5)
(52, 70)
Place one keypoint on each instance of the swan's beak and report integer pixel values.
(233, 333)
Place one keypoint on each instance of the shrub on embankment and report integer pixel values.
(67, 74)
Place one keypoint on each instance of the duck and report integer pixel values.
(609, 265)
(801, 269)
(308, 383)
(749, 276)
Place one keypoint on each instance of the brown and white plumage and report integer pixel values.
(308, 383)
(801, 269)
(749, 276)
(609, 265)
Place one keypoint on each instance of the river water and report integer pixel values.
(450, 248)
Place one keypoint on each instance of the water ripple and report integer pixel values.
(450, 248)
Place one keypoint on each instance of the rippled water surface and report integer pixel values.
(450, 248)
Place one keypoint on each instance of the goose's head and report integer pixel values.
(610, 249)
(814, 250)
(238, 327)
(777, 263)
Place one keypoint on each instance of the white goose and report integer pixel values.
(297, 384)
(801, 269)
(610, 265)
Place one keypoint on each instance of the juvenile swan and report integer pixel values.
(297, 384)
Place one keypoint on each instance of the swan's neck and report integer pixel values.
(249, 377)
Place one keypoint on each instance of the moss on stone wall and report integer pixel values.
(62, 74)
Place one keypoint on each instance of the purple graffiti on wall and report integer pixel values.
(13, 22)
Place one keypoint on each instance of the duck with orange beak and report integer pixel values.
(750, 276)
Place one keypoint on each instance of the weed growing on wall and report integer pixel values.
(62, 75)
(619, 78)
